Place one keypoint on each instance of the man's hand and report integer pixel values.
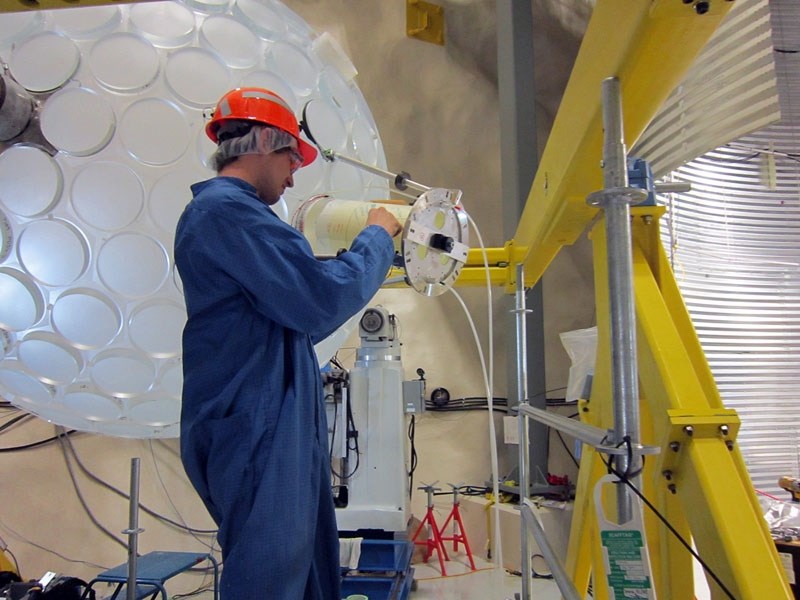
(382, 217)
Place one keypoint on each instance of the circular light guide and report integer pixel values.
(132, 279)
(23, 303)
(90, 403)
(78, 121)
(16, 381)
(262, 17)
(50, 357)
(140, 58)
(53, 251)
(231, 40)
(44, 61)
(30, 181)
(197, 77)
(155, 328)
(107, 195)
(122, 372)
(154, 131)
(80, 24)
(166, 24)
(87, 318)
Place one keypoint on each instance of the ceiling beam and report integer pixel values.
(648, 45)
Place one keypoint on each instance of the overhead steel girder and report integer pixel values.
(648, 45)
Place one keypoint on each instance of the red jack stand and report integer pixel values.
(434, 541)
(459, 534)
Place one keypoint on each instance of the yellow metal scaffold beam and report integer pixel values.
(648, 45)
(699, 481)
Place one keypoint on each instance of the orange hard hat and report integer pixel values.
(260, 106)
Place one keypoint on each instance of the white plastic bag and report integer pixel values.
(581, 346)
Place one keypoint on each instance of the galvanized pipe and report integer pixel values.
(401, 180)
(565, 585)
(522, 423)
(133, 530)
(620, 286)
(588, 434)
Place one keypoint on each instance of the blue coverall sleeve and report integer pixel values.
(274, 266)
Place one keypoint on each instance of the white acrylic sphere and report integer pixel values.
(92, 309)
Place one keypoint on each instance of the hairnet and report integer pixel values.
(239, 137)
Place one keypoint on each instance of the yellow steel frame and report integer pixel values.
(699, 481)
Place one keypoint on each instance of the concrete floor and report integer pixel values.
(485, 583)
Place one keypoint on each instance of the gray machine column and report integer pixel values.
(519, 158)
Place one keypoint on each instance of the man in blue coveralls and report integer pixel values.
(254, 439)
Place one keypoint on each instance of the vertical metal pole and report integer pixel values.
(522, 424)
(133, 529)
(625, 384)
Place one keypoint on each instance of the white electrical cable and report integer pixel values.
(488, 380)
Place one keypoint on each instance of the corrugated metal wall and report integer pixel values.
(735, 246)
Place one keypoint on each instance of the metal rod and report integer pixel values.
(620, 286)
(522, 423)
(531, 522)
(396, 178)
(133, 530)
(589, 434)
(673, 187)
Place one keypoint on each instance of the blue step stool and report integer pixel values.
(152, 571)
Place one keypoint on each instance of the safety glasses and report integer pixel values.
(295, 157)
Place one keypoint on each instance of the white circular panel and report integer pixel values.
(263, 17)
(132, 264)
(78, 121)
(197, 77)
(156, 327)
(50, 357)
(166, 24)
(270, 81)
(326, 125)
(80, 24)
(339, 92)
(208, 6)
(154, 131)
(44, 61)
(294, 66)
(169, 195)
(86, 317)
(158, 412)
(16, 26)
(30, 181)
(234, 42)
(107, 195)
(125, 92)
(170, 379)
(23, 303)
(91, 403)
(123, 373)
(308, 180)
(16, 380)
(365, 142)
(347, 182)
(140, 58)
(53, 251)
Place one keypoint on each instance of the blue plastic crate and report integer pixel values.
(374, 588)
(385, 555)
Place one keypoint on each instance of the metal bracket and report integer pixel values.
(688, 426)
(425, 21)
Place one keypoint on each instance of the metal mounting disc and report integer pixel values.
(435, 241)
